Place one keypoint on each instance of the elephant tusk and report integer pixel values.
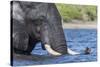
(72, 52)
(51, 51)
(55, 53)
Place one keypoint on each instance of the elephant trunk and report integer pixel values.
(51, 32)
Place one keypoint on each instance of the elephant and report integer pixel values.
(34, 22)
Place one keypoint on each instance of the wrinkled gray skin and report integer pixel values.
(33, 23)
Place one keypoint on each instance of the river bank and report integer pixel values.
(86, 25)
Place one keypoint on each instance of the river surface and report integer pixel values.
(77, 40)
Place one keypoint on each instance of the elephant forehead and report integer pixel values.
(38, 12)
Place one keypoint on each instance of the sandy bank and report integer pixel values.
(79, 25)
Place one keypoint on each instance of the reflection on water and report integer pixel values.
(77, 40)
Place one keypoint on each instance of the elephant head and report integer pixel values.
(37, 22)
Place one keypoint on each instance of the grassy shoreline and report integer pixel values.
(79, 12)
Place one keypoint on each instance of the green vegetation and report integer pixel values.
(77, 12)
